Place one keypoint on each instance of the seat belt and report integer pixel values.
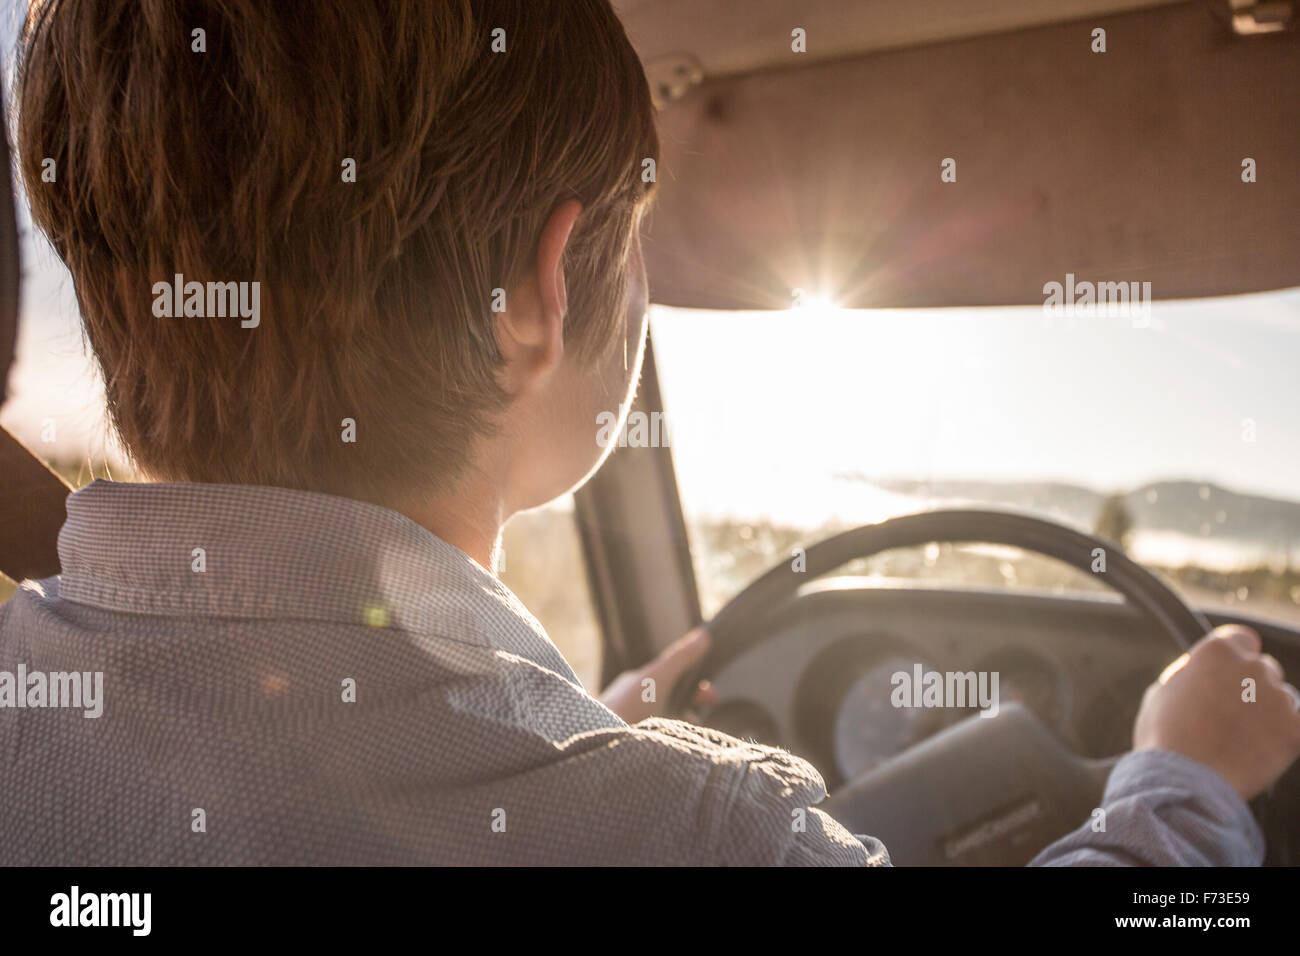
(31, 495)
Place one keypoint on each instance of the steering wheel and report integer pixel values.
(983, 791)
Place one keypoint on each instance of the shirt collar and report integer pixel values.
(256, 551)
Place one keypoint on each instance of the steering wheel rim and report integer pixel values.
(735, 628)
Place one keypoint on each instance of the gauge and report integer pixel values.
(871, 726)
(1028, 679)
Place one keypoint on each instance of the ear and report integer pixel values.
(531, 330)
(550, 257)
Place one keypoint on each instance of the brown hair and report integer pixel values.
(226, 165)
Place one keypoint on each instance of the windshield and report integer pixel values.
(1178, 437)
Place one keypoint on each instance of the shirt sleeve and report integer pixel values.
(773, 820)
(763, 803)
(1163, 809)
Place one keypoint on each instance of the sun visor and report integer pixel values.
(1129, 165)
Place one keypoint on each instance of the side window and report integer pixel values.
(543, 565)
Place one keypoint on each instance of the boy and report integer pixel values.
(402, 244)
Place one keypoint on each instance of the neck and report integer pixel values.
(475, 531)
(470, 517)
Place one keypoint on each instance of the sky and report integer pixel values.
(757, 399)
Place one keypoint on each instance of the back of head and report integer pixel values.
(377, 167)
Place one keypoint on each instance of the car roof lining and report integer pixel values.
(728, 38)
(1123, 166)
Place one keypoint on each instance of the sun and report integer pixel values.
(821, 305)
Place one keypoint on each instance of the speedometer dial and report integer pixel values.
(869, 729)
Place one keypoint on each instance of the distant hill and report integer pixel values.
(1188, 508)
(1193, 508)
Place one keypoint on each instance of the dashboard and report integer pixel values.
(824, 683)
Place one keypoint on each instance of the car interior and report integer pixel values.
(874, 195)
